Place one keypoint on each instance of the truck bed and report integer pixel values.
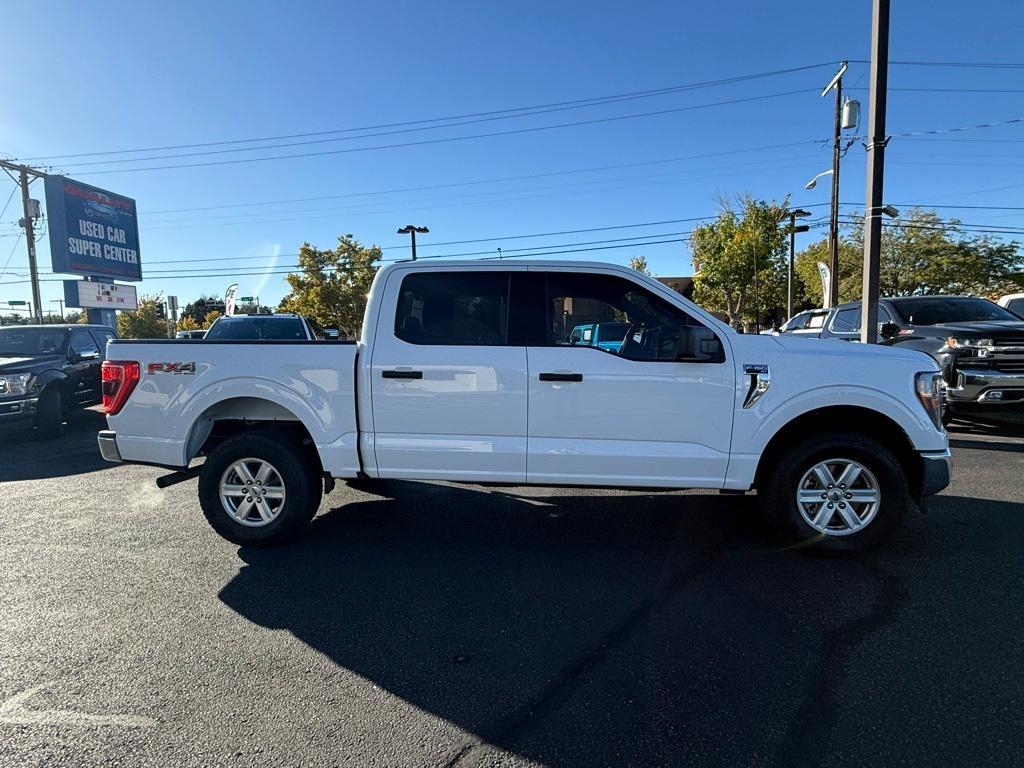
(185, 385)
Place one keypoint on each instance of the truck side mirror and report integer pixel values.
(888, 330)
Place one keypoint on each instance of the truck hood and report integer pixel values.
(847, 351)
(28, 364)
(988, 329)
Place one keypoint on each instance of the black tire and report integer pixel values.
(49, 421)
(298, 468)
(782, 480)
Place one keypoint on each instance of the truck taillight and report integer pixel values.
(119, 379)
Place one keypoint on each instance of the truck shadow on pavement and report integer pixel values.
(23, 456)
(598, 629)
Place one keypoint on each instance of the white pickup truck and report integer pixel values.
(469, 372)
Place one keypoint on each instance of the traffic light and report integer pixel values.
(161, 310)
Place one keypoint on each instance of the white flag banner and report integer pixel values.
(826, 284)
(229, 299)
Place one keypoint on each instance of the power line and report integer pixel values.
(11, 254)
(553, 106)
(964, 64)
(499, 180)
(948, 90)
(286, 271)
(477, 198)
(501, 238)
(996, 124)
(9, 198)
(441, 140)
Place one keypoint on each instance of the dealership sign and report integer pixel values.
(92, 231)
(95, 295)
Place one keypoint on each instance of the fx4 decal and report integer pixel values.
(171, 368)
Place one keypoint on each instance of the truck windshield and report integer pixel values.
(255, 328)
(951, 310)
(25, 342)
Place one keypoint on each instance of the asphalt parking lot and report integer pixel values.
(438, 625)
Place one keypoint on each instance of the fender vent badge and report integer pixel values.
(760, 380)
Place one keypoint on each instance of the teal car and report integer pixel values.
(607, 336)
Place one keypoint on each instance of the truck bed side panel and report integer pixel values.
(166, 416)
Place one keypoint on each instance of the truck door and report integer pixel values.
(448, 389)
(649, 412)
(84, 364)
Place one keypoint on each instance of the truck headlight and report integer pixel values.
(931, 391)
(14, 383)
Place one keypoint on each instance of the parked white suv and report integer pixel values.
(466, 372)
(1013, 302)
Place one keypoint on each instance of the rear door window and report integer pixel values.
(102, 337)
(846, 320)
(82, 343)
(453, 308)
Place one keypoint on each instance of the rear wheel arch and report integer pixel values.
(232, 416)
(851, 419)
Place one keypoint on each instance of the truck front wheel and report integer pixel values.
(836, 492)
(257, 489)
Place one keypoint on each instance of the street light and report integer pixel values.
(814, 182)
(798, 213)
(411, 230)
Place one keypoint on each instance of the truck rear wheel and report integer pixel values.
(257, 489)
(839, 492)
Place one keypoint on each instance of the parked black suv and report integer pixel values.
(978, 344)
(48, 370)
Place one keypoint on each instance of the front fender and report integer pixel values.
(755, 427)
(49, 378)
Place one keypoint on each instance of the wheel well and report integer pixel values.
(242, 414)
(843, 418)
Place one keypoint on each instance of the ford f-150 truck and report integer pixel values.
(464, 373)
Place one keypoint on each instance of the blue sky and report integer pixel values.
(100, 76)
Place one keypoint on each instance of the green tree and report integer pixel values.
(187, 324)
(144, 322)
(332, 285)
(920, 254)
(740, 260)
(199, 308)
(807, 285)
(639, 263)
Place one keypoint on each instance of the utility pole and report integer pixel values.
(876, 170)
(28, 222)
(411, 229)
(60, 302)
(833, 222)
(29, 211)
